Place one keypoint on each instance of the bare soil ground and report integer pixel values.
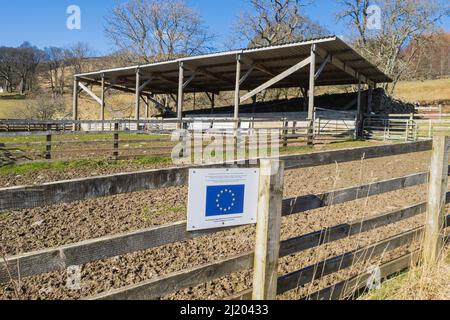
(43, 176)
(26, 230)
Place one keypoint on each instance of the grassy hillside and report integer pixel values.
(10, 102)
(423, 91)
(121, 104)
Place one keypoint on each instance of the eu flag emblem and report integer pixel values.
(224, 200)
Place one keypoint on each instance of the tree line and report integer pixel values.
(23, 68)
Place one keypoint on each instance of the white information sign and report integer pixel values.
(222, 198)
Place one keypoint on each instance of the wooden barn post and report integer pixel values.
(138, 98)
(237, 88)
(311, 93)
(360, 111)
(180, 96)
(265, 270)
(102, 106)
(75, 103)
(435, 218)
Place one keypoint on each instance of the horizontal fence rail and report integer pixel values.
(23, 197)
(58, 258)
(305, 275)
(291, 131)
(353, 286)
(106, 247)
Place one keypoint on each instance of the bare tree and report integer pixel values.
(150, 30)
(276, 21)
(42, 108)
(25, 65)
(18, 66)
(402, 21)
(432, 60)
(77, 56)
(55, 65)
(6, 67)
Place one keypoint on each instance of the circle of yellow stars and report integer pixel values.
(222, 193)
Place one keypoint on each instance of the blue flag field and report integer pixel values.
(224, 200)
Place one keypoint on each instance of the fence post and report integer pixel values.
(435, 218)
(429, 129)
(407, 131)
(265, 270)
(285, 132)
(48, 145)
(116, 141)
(310, 132)
(411, 127)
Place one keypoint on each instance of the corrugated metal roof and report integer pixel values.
(218, 69)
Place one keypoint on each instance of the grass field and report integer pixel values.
(10, 102)
(60, 165)
(424, 91)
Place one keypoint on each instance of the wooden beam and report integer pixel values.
(159, 105)
(311, 91)
(267, 247)
(180, 97)
(261, 67)
(138, 96)
(205, 72)
(258, 66)
(75, 102)
(164, 285)
(114, 85)
(102, 107)
(276, 79)
(344, 67)
(305, 275)
(90, 93)
(435, 219)
(161, 76)
(110, 85)
(246, 75)
(237, 87)
(145, 84)
(322, 67)
(189, 80)
(346, 230)
(350, 288)
(310, 202)
(355, 154)
(147, 107)
(359, 112)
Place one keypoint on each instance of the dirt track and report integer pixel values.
(50, 226)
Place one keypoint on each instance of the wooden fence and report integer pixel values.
(129, 139)
(58, 258)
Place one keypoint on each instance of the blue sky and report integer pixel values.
(43, 22)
